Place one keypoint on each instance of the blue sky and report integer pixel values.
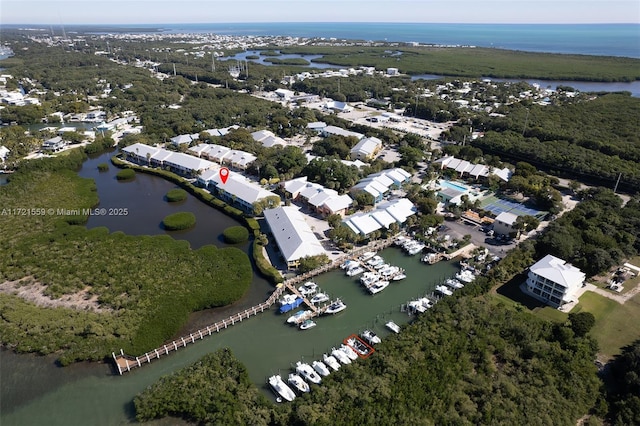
(214, 11)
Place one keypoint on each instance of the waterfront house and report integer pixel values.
(394, 211)
(554, 281)
(238, 190)
(177, 162)
(294, 237)
(322, 200)
(54, 144)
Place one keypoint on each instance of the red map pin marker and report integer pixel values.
(224, 174)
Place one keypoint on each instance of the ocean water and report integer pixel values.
(583, 39)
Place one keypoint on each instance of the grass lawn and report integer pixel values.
(510, 294)
(616, 324)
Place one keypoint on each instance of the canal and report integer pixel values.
(35, 391)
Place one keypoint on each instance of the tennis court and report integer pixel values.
(498, 205)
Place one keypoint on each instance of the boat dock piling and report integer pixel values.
(125, 363)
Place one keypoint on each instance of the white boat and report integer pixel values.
(465, 276)
(371, 337)
(348, 351)
(366, 256)
(307, 372)
(296, 317)
(426, 302)
(297, 383)
(416, 306)
(308, 288)
(400, 240)
(444, 290)
(369, 278)
(393, 327)
(453, 283)
(320, 298)
(415, 249)
(349, 263)
(341, 356)
(331, 361)
(336, 307)
(307, 324)
(359, 347)
(381, 266)
(391, 270)
(399, 277)
(352, 272)
(281, 388)
(321, 368)
(288, 299)
(378, 286)
(375, 260)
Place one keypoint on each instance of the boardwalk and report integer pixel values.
(125, 363)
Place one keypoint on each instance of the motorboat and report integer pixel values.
(398, 277)
(393, 327)
(453, 283)
(366, 256)
(369, 278)
(331, 361)
(321, 368)
(415, 249)
(426, 302)
(307, 372)
(371, 337)
(320, 298)
(361, 348)
(298, 383)
(340, 356)
(307, 324)
(416, 306)
(381, 266)
(465, 276)
(349, 263)
(444, 290)
(352, 272)
(348, 351)
(378, 286)
(375, 260)
(400, 240)
(289, 302)
(391, 270)
(308, 288)
(297, 316)
(336, 307)
(281, 388)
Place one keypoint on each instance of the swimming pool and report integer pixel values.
(452, 185)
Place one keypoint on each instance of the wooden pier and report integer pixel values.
(125, 363)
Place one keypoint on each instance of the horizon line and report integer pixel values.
(319, 22)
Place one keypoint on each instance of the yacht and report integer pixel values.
(289, 302)
(352, 272)
(307, 324)
(331, 361)
(444, 290)
(336, 307)
(371, 337)
(393, 327)
(308, 288)
(381, 266)
(416, 248)
(398, 277)
(341, 356)
(426, 302)
(375, 260)
(400, 240)
(281, 388)
(361, 348)
(453, 283)
(378, 286)
(307, 372)
(348, 351)
(297, 383)
(366, 256)
(349, 263)
(321, 368)
(465, 276)
(416, 306)
(369, 278)
(297, 316)
(319, 298)
(391, 270)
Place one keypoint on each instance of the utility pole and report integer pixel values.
(615, 189)
(526, 120)
(213, 62)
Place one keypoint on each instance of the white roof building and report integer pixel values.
(554, 281)
(267, 138)
(221, 132)
(324, 200)
(382, 217)
(160, 157)
(237, 190)
(339, 131)
(475, 170)
(292, 234)
(505, 223)
(366, 149)
(4, 152)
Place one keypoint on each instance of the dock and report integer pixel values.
(125, 363)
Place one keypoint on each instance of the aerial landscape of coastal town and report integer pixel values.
(218, 227)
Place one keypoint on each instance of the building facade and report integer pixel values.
(554, 281)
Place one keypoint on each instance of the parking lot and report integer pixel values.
(458, 229)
